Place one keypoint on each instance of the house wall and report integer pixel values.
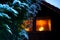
(55, 19)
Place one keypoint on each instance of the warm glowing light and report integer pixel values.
(27, 29)
(27, 25)
(41, 22)
(49, 25)
(43, 25)
(41, 29)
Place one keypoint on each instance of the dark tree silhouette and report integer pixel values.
(12, 14)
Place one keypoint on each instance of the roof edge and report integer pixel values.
(50, 6)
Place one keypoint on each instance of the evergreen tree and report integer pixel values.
(12, 14)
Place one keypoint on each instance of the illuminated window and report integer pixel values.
(27, 25)
(43, 25)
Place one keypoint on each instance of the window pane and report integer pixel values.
(43, 25)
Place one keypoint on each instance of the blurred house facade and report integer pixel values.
(48, 12)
